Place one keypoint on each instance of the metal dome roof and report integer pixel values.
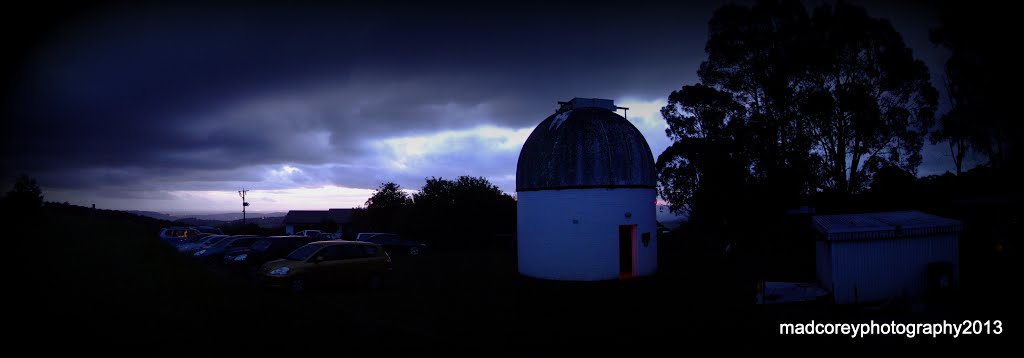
(585, 144)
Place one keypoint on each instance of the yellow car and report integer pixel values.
(328, 263)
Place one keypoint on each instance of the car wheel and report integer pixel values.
(414, 251)
(298, 285)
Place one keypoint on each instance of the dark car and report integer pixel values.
(177, 235)
(215, 253)
(264, 250)
(327, 236)
(393, 243)
(203, 243)
(210, 230)
(193, 239)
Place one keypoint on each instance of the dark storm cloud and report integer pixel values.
(208, 97)
(125, 96)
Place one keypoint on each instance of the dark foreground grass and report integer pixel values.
(108, 285)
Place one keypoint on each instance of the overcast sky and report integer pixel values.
(176, 107)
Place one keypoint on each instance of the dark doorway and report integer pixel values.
(627, 241)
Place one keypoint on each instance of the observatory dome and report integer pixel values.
(585, 144)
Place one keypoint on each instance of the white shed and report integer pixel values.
(586, 197)
(877, 256)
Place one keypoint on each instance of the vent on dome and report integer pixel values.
(577, 103)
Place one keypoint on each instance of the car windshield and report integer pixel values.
(243, 242)
(196, 239)
(291, 245)
(262, 245)
(366, 237)
(303, 253)
(225, 243)
(215, 240)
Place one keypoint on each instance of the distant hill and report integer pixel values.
(673, 224)
(272, 219)
(69, 210)
(232, 216)
(267, 222)
(154, 215)
(667, 218)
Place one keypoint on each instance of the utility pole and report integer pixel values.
(241, 193)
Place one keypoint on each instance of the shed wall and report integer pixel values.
(886, 268)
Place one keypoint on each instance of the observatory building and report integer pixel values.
(586, 196)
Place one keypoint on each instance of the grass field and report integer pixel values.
(107, 284)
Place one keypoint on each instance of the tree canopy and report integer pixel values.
(388, 196)
(792, 102)
(442, 212)
(461, 208)
(387, 209)
(25, 194)
(979, 119)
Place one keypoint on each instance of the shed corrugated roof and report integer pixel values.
(883, 225)
(316, 216)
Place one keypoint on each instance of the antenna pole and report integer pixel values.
(241, 193)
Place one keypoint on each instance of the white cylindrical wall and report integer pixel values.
(573, 234)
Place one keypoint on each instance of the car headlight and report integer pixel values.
(199, 253)
(280, 271)
(241, 257)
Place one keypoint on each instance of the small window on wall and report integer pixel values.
(646, 239)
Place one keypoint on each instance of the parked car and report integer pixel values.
(327, 236)
(394, 243)
(193, 239)
(310, 233)
(210, 230)
(177, 235)
(263, 250)
(328, 263)
(215, 253)
(205, 242)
